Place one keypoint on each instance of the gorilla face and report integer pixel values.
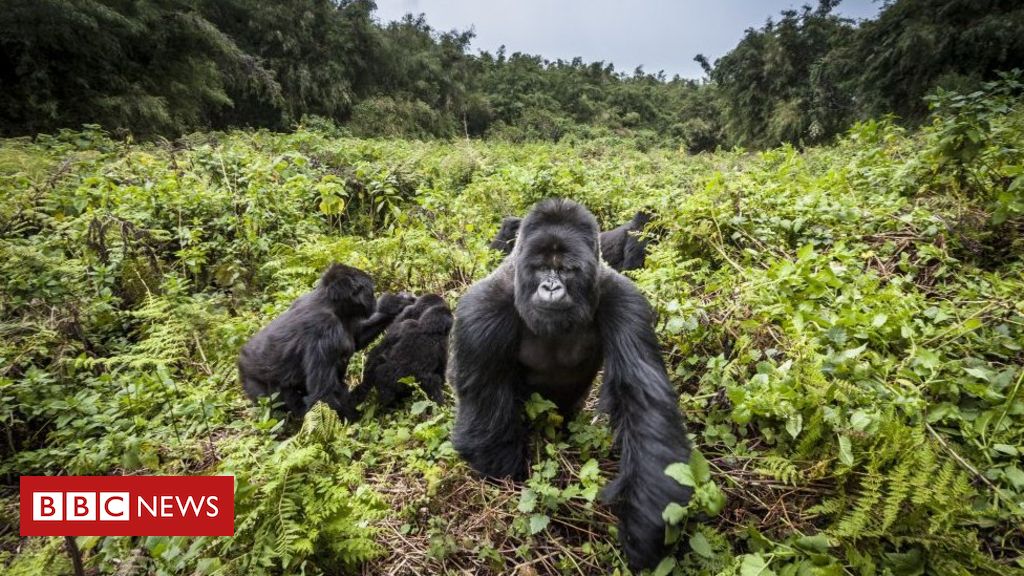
(350, 290)
(556, 266)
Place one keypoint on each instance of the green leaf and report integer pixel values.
(980, 373)
(682, 473)
(1015, 476)
(675, 325)
(665, 567)
(699, 544)
(817, 543)
(850, 354)
(879, 320)
(754, 565)
(716, 500)
(538, 522)
(699, 467)
(860, 420)
(926, 358)
(590, 470)
(673, 513)
(795, 424)
(845, 451)
(528, 501)
(805, 252)
(972, 324)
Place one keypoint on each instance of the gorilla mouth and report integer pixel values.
(559, 306)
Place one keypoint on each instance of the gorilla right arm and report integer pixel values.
(489, 430)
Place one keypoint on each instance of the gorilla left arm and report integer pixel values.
(645, 416)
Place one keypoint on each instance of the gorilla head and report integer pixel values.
(641, 219)
(437, 320)
(349, 291)
(556, 267)
(506, 238)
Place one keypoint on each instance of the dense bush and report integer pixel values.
(844, 325)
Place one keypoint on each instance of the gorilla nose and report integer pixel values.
(551, 291)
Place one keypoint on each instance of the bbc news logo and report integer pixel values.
(127, 506)
(58, 506)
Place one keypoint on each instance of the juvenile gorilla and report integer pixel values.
(506, 238)
(304, 353)
(620, 247)
(416, 345)
(546, 321)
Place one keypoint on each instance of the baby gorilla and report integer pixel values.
(304, 353)
(416, 345)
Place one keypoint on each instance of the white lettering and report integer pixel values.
(144, 504)
(114, 506)
(47, 505)
(80, 506)
(190, 503)
(211, 502)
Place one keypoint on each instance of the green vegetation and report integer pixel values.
(167, 67)
(844, 323)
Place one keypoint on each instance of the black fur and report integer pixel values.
(506, 238)
(304, 353)
(546, 321)
(416, 345)
(620, 247)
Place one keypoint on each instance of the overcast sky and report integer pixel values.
(658, 34)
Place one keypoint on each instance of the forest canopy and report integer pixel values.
(169, 67)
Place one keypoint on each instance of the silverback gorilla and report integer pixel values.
(304, 352)
(620, 247)
(546, 321)
(416, 345)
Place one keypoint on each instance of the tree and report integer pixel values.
(153, 66)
